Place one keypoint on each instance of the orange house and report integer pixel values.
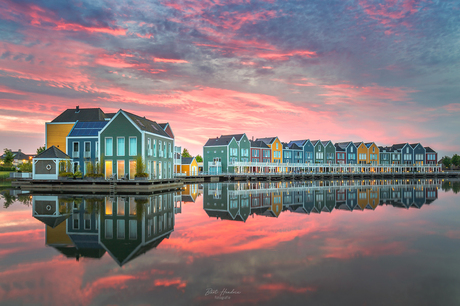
(373, 156)
(188, 166)
(276, 148)
(362, 152)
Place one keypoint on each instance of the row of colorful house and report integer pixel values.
(220, 153)
(116, 141)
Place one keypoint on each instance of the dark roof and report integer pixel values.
(52, 221)
(325, 142)
(413, 145)
(294, 146)
(259, 144)
(357, 144)
(285, 145)
(236, 136)
(18, 155)
(52, 152)
(339, 148)
(219, 141)
(147, 125)
(267, 140)
(81, 114)
(368, 144)
(109, 115)
(187, 198)
(300, 143)
(430, 150)
(399, 146)
(343, 145)
(187, 160)
(87, 128)
(163, 125)
(314, 142)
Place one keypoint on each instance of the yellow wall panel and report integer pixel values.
(56, 135)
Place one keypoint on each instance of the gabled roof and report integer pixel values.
(52, 152)
(18, 155)
(413, 145)
(52, 221)
(339, 148)
(267, 140)
(357, 144)
(147, 125)
(399, 146)
(300, 143)
(167, 128)
(294, 146)
(314, 142)
(259, 144)
(285, 146)
(368, 144)
(81, 114)
(429, 150)
(219, 141)
(237, 137)
(344, 145)
(187, 160)
(325, 142)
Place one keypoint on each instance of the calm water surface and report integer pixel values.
(299, 243)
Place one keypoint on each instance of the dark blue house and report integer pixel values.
(307, 148)
(419, 154)
(82, 144)
(407, 152)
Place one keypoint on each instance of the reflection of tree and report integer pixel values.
(25, 199)
(456, 187)
(9, 199)
(446, 186)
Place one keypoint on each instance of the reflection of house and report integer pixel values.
(130, 226)
(50, 210)
(190, 193)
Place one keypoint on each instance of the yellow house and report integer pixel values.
(276, 148)
(188, 166)
(57, 130)
(374, 199)
(363, 198)
(362, 152)
(373, 156)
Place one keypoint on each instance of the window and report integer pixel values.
(87, 149)
(149, 147)
(277, 146)
(76, 221)
(108, 146)
(132, 146)
(170, 151)
(351, 149)
(155, 148)
(160, 149)
(121, 146)
(120, 229)
(108, 229)
(108, 207)
(97, 149)
(132, 229)
(121, 207)
(255, 153)
(76, 150)
(308, 155)
(266, 153)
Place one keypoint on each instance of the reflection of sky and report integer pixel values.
(390, 255)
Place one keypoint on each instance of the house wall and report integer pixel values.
(309, 152)
(329, 157)
(352, 154)
(320, 155)
(419, 151)
(362, 149)
(81, 159)
(209, 153)
(373, 149)
(56, 134)
(277, 150)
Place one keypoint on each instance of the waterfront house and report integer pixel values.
(362, 152)
(45, 166)
(260, 152)
(419, 154)
(57, 130)
(329, 150)
(126, 138)
(82, 144)
(406, 152)
(188, 166)
(19, 157)
(276, 148)
(220, 153)
(385, 155)
(431, 156)
(350, 151)
(308, 150)
(50, 210)
(340, 154)
(292, 153)
(319, 155)
(373, 153)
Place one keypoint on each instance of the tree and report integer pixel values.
(447, 162)
(185, 153)
(199, 159)
(8, 158)
(456, 160)
(40, 149)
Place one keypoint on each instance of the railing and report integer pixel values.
(87, 154)
(75, 154)
(24, 175)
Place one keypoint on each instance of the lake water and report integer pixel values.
(290, 243)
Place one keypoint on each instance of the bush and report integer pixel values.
(141, 175)
(25, 167)
(78, 174)
(66, 174)
(6, 168)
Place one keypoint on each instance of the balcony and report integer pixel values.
(149, 152)
(160, 154)
(87, 154)
(76, 154)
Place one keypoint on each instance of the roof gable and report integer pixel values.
(80, 114)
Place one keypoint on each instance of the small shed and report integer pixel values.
(45, 166)
(188, 166)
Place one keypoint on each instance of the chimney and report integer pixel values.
(19, 150)
(77, 109)
(252, 138)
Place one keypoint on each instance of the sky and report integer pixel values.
(381, 71)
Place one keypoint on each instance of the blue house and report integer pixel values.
(308, 150)
(406, 152)
(82, 144)
(292, 153)
(419, 154)
(350, 151)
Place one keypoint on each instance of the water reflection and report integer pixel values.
(123, 226)
(239, 201)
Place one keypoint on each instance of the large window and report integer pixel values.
(109, 146)
(154, 148)
(132, 146)
(76, 150)
(87, 149)
(255, 153)
(121, 146)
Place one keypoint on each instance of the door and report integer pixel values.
(132, 169)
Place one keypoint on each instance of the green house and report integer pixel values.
(220, 153)
(128, 137)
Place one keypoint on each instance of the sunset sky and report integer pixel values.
(382, 71)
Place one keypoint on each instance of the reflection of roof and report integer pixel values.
(80, 114)
(52, 221)
(52, 152)
(187, 198)
(87, 128)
